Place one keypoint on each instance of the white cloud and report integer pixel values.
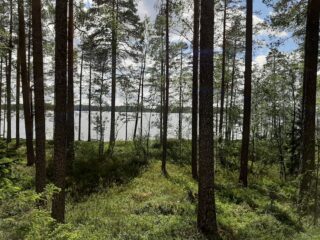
(146, 8)
(260, 60)
(266, 29)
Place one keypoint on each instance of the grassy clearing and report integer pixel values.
(130, 199)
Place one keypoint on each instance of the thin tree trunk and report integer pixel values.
(59, 160)
(101, 138)
(137, 109)
(316, 198)
(294, 165)
(126, 117)
(195, 79)
(25, 85)
(8, 80)
(180, 106)
(1, 75)
(142, 93)
(207, 222)
(161, 89)
(247, 98)
(166, 107)
(223, 80)
(5, 97)
(40, 122)
(113, 74)
(80, 94)
(29, 68)
(309, 96)
(90, 96)
(230, 125)
(70, 92)
(18, 100)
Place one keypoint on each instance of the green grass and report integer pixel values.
(132, 200)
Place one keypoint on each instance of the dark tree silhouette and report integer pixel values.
(25, 85)
(309, 96)
(247, 98)
(59, 158)
(18, 100)
(114, 44)
(166, 97)
(70, 92)
(40, 123)
(206, 207)
(8, 77)
(195, 79)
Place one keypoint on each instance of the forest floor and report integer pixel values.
(148, 205)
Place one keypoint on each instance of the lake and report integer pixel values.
(120, 125)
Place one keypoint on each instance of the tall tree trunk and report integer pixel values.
(114, 39)
(232, 97)
(161, 88)
(166, 107)
(207, 222)
(247, 98)
(80, 94)
(1, 75)
(180, 105)
(316, 194)
(294, 160)
(90, 96)
(309, 96)
(101, 126)
(59, 160)
(142, 92)
(5, 97)
(126, 116)
(18, 100)
(195, 79)
(8, 80)
(223, 80)
(40, 122)
(29, 67)
(25, 85)
(70, 92)
(137, 109)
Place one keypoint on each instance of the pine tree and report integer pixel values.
(59, 160)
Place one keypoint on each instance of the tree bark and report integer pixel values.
(161, 89)
(90, 96)
(18, 100)
(137, 110)
(243, 179)
(207, 222)
(113, 74)
(70, 92)
(59, 159)
(309, 96)
(80, 94)
(180, 105)
(101, 127)
(142, 92)
(166, 102)
(195, 79)
(25, 85)
(29, 68)
(232, 97)
(8, 80)
(1, 75)
(223, 88)
(40, 122)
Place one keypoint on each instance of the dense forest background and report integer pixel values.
(163, 119)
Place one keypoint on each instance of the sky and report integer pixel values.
(147, 8)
